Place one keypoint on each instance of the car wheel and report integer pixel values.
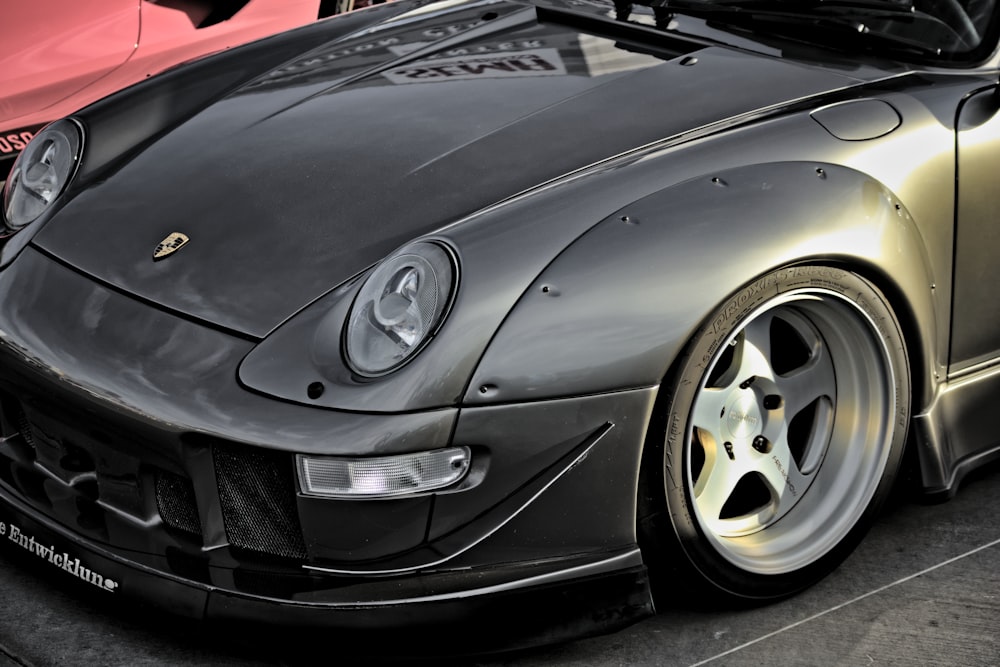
(780, 433)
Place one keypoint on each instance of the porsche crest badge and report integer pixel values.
(170, 245)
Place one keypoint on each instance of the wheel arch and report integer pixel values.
(618, 306)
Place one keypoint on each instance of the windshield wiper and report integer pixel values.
(867, 7)
(806, 9)
(842, 19)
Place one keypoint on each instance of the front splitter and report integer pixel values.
(533, 611)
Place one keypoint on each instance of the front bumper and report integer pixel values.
(134, 462)
(475, 616)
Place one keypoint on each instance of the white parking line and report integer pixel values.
(845, 604)
(14, 660)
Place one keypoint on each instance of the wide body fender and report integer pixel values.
(617, 307)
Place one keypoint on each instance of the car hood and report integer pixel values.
(302, 177)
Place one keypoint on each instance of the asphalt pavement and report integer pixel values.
(922, 589)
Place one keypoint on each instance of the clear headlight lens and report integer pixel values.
(41, 172)
(399, 308)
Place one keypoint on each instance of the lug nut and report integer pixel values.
(761, 444)
(772, 402)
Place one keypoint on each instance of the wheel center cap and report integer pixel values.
(743, 416)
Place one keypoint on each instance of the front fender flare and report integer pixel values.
(616, 307)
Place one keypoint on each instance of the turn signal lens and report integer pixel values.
(381, 476)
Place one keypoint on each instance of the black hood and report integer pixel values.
(305, 176)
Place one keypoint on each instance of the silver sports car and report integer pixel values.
(440, 311)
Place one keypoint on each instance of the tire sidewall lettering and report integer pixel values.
(700, 356)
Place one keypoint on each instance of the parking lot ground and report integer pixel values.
(922, 589)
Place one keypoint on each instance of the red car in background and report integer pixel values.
(59, 56)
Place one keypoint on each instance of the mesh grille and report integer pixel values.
(175, 501)
(24, 428)
(257, 493)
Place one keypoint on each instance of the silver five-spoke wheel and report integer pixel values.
(786, 427)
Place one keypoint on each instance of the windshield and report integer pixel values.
(937, 31)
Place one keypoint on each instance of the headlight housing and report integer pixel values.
(42, 172)
(399, 308)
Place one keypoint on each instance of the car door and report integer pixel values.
(976, 307)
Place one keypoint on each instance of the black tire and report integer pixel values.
(779, 434)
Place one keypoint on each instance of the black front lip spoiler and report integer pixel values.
(577, 601)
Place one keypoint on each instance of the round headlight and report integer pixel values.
(398, 309)
(41, 173)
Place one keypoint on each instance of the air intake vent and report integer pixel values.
(175, 501)
(257, 493)
(24, 427)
